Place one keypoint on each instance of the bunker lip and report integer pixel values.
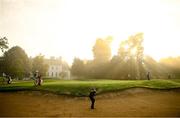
(68, 94)
(130, 102)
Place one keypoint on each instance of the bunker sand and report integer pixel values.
(131, 102)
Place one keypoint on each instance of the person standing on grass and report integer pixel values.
(36, 74)
(39, 80)
(148, 75)
(91, 96)
(9, 80)
(169, 76)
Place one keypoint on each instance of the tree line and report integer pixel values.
(129, 62)
(16, 63)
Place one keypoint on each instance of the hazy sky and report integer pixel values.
(69, 28)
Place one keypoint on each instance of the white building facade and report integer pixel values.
(58, 68)
(54, 70)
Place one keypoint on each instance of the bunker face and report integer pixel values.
(132, 102)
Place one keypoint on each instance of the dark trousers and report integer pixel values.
(92, 103)
(39, 82)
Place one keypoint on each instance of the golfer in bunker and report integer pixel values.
(91, 96)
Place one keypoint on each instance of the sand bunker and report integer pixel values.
(131, 102)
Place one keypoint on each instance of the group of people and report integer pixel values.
(38, 81)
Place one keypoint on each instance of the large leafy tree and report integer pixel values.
(38, 64)
(102, 50)
(3, 43)
(119, 69)
(131, 51)
(132, 47)
(16, 62)
(77, 68)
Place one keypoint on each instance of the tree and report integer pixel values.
(118, 69)
(171, 65)
(16, 62)
(1, 65)
(131, 51)
(38, 64)
(102, 50)
(3, 43)
(77, 68)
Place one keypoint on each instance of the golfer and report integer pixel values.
(91, 96)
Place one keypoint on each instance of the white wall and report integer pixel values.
(54, 70)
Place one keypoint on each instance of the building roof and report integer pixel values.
(57, 61)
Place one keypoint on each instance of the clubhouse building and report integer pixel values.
(57, 68)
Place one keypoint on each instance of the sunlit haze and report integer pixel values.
(69, 28)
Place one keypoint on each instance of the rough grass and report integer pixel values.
(82, 88)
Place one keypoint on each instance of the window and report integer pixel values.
(52, 74)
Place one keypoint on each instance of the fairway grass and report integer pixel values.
(82, 88)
